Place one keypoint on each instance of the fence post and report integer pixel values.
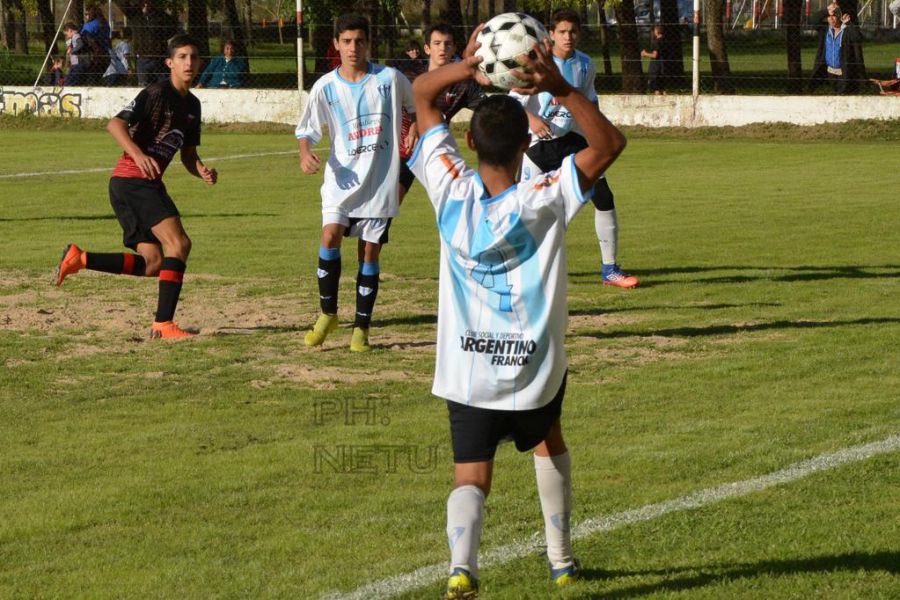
(695, 57)
(300, 65)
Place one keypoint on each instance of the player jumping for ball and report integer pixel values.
(162, 119)
(501, 362)
(555, 135)
(361, 103)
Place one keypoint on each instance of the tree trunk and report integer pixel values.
(671, 52)
(632, 74)
(604, 39)
(715, 42)
(198, 25)
(452, 15)
(248, 22)
(492, 8)
(793, 16)
(426, 14)
(48, 30)
(18, 26)
(5, 35)
(509, 6)
(231, 22)
(76, 13)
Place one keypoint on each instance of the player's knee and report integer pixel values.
(603, 196)
(181, 248)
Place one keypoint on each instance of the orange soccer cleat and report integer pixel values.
(614, 275)
(72, 261)
(169, 330)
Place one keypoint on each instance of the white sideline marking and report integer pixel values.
(400, 584)
(110, 167)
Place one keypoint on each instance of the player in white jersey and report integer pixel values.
(501, 361)
(555, 135)
(361, 103)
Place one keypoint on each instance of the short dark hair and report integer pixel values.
(180, 40)
(567, 15)
(70, 26)
(440, 28)
(351, 22)
(499, 128)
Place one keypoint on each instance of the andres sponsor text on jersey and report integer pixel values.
(507, 348)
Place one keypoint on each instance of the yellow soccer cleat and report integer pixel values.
(360, 340)
(566, 575)
(325, 324)
(461, 586)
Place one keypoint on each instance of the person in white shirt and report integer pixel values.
(555, 135)
(501, 363)
(361, 103)
(119, 59)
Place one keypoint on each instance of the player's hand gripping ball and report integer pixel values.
(503, 40)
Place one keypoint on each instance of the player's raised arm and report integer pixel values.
(429, 85)
(605, 141)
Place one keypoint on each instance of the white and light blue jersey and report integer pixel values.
(580, 72)
(502, 312)
(364, 120)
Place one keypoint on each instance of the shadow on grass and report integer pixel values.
(651, 277)
(708, 575)
(732, 329)
(591, 312)
(112, 217)
(424, 319)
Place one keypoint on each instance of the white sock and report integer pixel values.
(554, 482)
(464, 515)
(607, 228)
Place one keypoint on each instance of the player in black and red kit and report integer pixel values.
(163, 119)
(441, 50)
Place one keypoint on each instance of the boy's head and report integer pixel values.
(351, 39)
(439, 45)
(184, 57)
(69, 29)
(228, 49)
(565, 29)
(658, 31)
(499, 131)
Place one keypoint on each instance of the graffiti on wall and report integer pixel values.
(39, 103)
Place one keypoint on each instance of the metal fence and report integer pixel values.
(747, 46)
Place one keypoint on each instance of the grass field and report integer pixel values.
(766, 332)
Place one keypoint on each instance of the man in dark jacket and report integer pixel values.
(152, 29)
(839, 58)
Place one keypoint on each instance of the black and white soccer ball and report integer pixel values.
(504, 39)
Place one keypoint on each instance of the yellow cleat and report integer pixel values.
(325, 324)
(566, 575)
(461, 586)
(360, 340)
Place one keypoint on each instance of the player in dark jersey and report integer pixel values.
(441, 50)
(163, 119)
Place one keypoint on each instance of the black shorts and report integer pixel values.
(476, 432)
(549, 156)
(139, 204)
(406, 176)
(384, 239)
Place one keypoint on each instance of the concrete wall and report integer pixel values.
(283, 106)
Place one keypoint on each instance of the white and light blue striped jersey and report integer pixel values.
(363, 119)
(580, 72)
(502, 312)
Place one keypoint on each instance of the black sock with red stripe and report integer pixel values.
(171, 274)
(117, 263)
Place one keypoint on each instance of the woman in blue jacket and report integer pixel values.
(225, 71)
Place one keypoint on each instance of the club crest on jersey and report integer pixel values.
(385, 90)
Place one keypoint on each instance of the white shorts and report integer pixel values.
(374, 231)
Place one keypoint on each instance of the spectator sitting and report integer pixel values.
(227, 70)
(890, 87)
(119, 59)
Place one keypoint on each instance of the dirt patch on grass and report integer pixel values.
(329, 378)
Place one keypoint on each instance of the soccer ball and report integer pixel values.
(503, 40)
